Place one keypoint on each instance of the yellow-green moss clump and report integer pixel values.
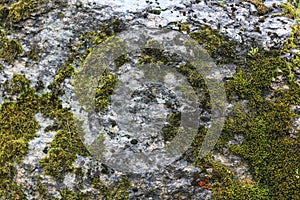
(17, 128)
(220, 49)
(260, 6)
(118, 192)
(227, 187)
(104, 90)
(18, 125)
(120, 61)
(273, 156)
(18, 11)
(12, 12)
(9, 49)
(291, 9)
(171, 130)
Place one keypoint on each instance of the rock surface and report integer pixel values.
(55, 32)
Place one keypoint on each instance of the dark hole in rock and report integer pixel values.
(134, 141)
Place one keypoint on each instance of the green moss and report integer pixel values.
(106, 30)
(272, 155)
(67, 143)
(4, 11)
(120, 191)
(257, 77)
(120, 61)
(22, 9)
(70, 195)
(273, 160)
(10, 14)
(228, 187)
(42, 190)
(197, 82)
(170, 130)
(63, 152)
(294, 41)
(218, 47)
(10, 49)
(18, 85)
(105, 89)
(291, 10)
(17, 128)
(33, 54)
(184, 27)
(153, 55)
(65, 71)
(17, 123)
(260, 6)
(154, 11)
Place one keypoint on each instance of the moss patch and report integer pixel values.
(104, 90)
(10, 14)
(18, 125)
(170, 131)
(120, 191)
(19, 10)
(229, 188)
(69, 194)
(260, 6)
(9, 49)
(17, 128)
(218, 47)
(272, 155)
(291, 10)
(119, 62)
